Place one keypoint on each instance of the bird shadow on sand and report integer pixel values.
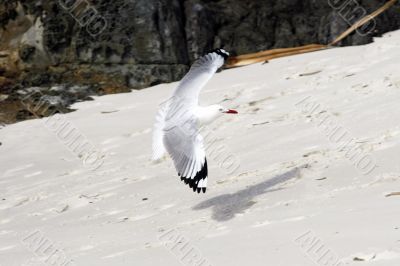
(225, 207)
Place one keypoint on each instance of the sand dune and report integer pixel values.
(282, 190)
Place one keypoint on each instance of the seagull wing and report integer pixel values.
(185, 145)
(199, 74)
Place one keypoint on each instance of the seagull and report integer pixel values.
(179, 119)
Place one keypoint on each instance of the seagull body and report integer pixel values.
(179, 119)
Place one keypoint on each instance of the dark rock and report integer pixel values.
(157, 36)
(27, 52)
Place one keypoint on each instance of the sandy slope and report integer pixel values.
(293, 199)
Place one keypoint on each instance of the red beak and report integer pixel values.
(230, 111)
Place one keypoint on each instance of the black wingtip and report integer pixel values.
(221, 52)
(193, 182)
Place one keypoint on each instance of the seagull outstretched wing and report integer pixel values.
(176, 129)
(199, 74)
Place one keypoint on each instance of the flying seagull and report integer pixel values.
(179, 119)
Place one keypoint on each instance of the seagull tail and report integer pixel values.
(158, 135)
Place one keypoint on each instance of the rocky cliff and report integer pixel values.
(138, 43)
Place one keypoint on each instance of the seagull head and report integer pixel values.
(224, 110)
(210, 113)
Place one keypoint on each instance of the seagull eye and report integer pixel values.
(220, 109)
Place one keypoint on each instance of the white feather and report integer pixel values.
(176, 129)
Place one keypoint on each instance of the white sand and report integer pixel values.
(292, 181)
